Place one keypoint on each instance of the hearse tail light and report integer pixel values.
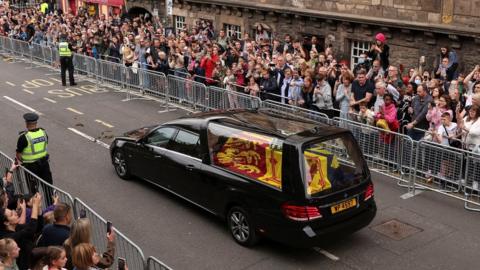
(368, 192)
(301, 213)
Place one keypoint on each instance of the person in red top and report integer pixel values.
(208, 63)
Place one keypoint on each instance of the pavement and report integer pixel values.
(427, 231)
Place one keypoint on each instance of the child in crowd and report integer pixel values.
(366, 116)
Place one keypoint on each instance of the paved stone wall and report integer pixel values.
(406, 45)
(462, 13)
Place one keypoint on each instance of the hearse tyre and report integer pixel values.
(241, 227)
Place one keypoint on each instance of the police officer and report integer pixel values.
(44, 7)
(32, 151)
(66, 60)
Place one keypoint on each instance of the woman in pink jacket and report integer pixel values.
(388, 113)
(434, 114)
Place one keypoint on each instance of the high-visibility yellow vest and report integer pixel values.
(37, 146)
(63, 49)
(43, 7)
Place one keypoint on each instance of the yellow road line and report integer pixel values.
(28, 91)
(9, 83)
(50, 100)
(104, 123)
(74, 111)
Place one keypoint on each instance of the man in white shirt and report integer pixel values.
(447, 130)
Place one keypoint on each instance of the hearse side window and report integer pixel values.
(160, 137)
(332, 165)
(187, 143)
(254, 155)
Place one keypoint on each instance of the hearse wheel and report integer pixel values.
(241, 227)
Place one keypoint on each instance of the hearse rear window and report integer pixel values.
(332, 165)
(256, 156)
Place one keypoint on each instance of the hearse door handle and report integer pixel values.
(189, 167)
(158, 156)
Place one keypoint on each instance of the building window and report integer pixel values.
(233, 30)
(179, 24)
(358, 47)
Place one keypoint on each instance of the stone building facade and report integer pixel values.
(414, 28)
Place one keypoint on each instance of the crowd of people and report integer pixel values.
(33, 236)
(440, 105)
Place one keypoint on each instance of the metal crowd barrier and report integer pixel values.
(155, 264)
(385, 151)
(25, 181)
(37, 53)
(124, 247)
(472, 181)
(297, 112)
(109, 72)
(187, 92)
(221, 98)
(414, 164)
(439, 167)
(5, 164)
(86, 65)
(157, 83)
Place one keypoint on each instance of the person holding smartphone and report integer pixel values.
(80, 234)
(55, 234)
(23, 235)
(7, 184)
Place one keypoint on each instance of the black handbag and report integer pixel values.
(452, 143)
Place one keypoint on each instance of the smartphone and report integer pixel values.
(83, 213)
(16, 161)
(121, 263)
(55, 193)
(109, 227)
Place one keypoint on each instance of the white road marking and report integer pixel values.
(103, 123)
(90, 138)
(23, 105)
(9, 83)
(28, 91)
(167, 110)
(326, 254)
(55, 79)
(74, 111)
(409, 195)
(50, 100)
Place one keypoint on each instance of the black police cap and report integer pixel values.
(30, 117)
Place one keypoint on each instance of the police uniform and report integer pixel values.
(66, 61)
(44, 7)
(32, 145)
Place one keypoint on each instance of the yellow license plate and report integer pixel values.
(344, 205)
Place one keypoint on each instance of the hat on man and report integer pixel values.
(30, 117)
(381, 37)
